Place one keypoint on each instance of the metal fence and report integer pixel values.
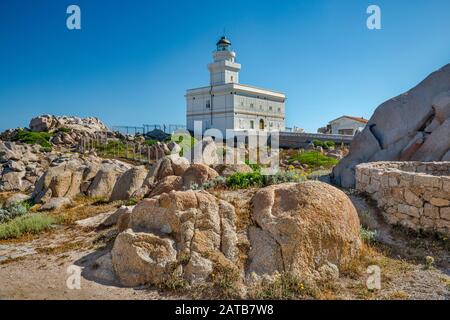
(145, 128)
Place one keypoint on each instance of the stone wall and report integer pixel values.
(413, 194)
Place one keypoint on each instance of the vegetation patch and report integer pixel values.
(284, 286)
(26, 224)
(150, 142)
(324, 144)
(314, 159)
(40, 138)
(256, 179)
(15, 210)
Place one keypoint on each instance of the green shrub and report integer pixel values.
(283, 177)
(64, 130)
(40, 138)
(324, 144)
(284, 286)
(15, 210)
(150, 142)
(255, 167)
(368, 236)
(245, 180)
(314, 159)
(26, 224)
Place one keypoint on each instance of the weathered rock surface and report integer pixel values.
(302, 227)
(412, 126)
(198, 174)
(20, 166)
(129, 183)
(51, 123)
(55, 204)
(200, 227)
(104, 182)
(140, 258)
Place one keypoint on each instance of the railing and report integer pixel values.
(145, 128)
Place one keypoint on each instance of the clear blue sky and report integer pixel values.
(133, 60)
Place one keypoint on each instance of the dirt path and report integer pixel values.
(40, 268)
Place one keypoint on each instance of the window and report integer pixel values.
(242, 103)
(279, 109)
(251, 105)
(208, 104)
(252, 124)
(346, 131)
(270, 108)
(232, 79)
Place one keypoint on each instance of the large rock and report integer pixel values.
(412, 126)
(129, 183)
(141, 258)
(198, 174)
(201, 226)
(302, 227)
(166, 185)
(103, 184)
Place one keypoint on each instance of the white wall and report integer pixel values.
(345, 123)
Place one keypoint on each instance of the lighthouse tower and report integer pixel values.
(227, 104)
(224, 69)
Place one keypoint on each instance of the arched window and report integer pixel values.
(261, 124)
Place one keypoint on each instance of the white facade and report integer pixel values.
(347, 125)
(227, 104)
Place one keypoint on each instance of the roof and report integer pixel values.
(223, 41)
(357, 119)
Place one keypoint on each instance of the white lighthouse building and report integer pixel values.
(227, 104)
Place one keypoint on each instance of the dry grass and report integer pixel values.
(83, 208)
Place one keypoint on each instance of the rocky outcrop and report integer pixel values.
(73, 175)
(21, 165)
(105, 181)
(182, 231)
(302, 227)
(128, 183)
(51, 123)
(140, 258)
(198, 174)
(414, 126)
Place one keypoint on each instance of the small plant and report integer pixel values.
(131, 202)
(255, 167)
(429, 262)
(284, 286)
(216, 182)
(26, 224)
(225, 279)
(283, 177)
(368, 236)
(14, 210)
(245, 180)
(40, 138)
(324, 144)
